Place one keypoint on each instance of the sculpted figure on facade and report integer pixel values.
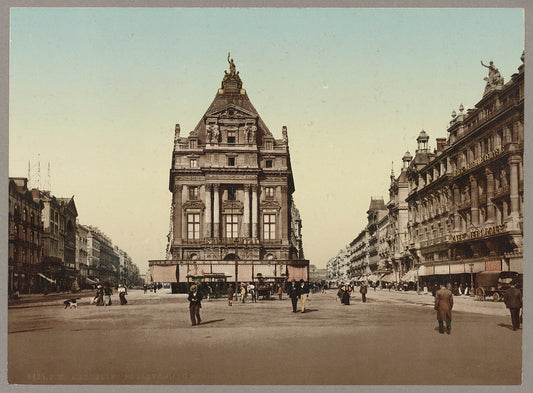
(210, 133)
(284, 133)
(216, 133)
(494, 79)
(176, 135)
(247, 133)
(503, 178)
(253, 131)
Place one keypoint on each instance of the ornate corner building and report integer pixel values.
(232, 209)
(455, 210)
(466, 198)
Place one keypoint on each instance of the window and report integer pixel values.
(193, 144)
(231, 161)
(232, 226)
(231, 137)
(268, 145)
(269, 226)
(193, 226)
(231, 193)
(194, 162)
(269, 192)
(268, 163)
(193, 193)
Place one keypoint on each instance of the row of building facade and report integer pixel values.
(232, 213)
(50, 250)
(454, 211)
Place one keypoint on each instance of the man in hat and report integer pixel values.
(513, 301)
(304, 292)
(195, 303)
(443, 306)
(294, 293)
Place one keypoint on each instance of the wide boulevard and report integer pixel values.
(392, 339)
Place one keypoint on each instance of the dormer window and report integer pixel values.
(268, 145)
(193, 144)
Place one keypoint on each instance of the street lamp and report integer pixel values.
(472, 294)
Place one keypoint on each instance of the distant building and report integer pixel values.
(232, 207)
(316, 274)
(25, 238)
(59, 240)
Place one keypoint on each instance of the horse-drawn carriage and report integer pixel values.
(213, 284)
(495, 284)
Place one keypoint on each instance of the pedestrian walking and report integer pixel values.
(107, 295)
(304, 293)
(195, 303)
(99, 296)
(443, 306)
(294, 293)
(122, 292)
(243, 291)
(253, 294)
(363, 290)
(145, 287)
(346, 294)
(512, 298)
(230, 294)
(280, 292)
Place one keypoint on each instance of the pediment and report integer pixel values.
(231, 111)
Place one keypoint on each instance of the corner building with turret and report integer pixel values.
(232, 210)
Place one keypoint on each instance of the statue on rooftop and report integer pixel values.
(231, 66)
(495, 78)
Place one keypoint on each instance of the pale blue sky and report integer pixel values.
(96, 92)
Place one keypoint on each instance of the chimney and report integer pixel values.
(441, 144)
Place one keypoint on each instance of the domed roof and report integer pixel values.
(422, 136)
(407, 156)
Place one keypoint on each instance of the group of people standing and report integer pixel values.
(104, 292)
(297, 291)
(345, 291)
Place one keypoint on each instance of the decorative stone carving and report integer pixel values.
(253, 132)
(284, 133)
(176, 135)
(494, 79)
(247, 130)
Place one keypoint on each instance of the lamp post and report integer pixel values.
(472, 294)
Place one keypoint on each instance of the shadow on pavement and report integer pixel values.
(310, 310)
(505, 325)
(212, 321)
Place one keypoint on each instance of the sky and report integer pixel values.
(96, 93)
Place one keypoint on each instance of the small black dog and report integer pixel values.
(71, 303)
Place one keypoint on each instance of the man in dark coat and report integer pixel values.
(195, 303)
(293, 290)
(363, 290)
(443, 306)
(513, 301)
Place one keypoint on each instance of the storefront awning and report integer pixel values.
(87, 279)
(410, 276)
(163, 273)
(46, 278)
(391, 277)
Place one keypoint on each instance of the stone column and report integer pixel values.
(474, 200)
(284, 222)
(513, 189)
(178, 214)
(456, 202)
(207, 227)
(491, 212)
(216, 210)
(184, 197)
(254, 211)
(246, 211)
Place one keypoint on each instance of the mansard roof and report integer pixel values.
(229, 97)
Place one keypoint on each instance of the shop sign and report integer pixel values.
(475, 234)
(479, 161)
(493, 266)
